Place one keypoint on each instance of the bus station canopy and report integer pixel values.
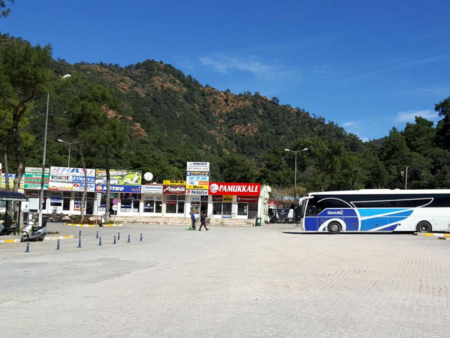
(12, 196)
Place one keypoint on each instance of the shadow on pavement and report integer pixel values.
(350, 233)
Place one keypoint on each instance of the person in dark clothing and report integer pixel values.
(203, 222)
(193, 219)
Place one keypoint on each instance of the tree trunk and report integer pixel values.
(6, 167)
(18, 153)
(108, 179)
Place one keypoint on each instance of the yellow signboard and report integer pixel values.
(198, 187)
(170, 182)
(228, 198)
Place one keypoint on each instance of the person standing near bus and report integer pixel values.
(193, 219)
(203, 222)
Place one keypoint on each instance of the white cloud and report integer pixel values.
(349, 124)
(410, 115)
(225, 64)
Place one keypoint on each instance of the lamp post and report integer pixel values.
(70, 146)
(295, 169)
(41, 195)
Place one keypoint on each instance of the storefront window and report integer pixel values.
(130, 202)
(149, 206)
(226, 209)
(175, 204)
(217, 208)
(242, 209)
(158, 207)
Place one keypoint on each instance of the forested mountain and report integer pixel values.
(171, 118)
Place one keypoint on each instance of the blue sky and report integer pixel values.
(366, 65)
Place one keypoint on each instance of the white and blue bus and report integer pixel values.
(376, 210)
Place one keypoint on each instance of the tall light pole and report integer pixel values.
(70, 146)
(41, 195)
(295, 169)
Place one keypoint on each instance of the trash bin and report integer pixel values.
(258, 221)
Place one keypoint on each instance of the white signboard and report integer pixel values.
(152, 189)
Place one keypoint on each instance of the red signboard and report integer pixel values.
(217, 198)
(174, 189)
(239, 189)
(248, 199)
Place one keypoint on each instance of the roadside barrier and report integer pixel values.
(129, 240)
(141, 236)
(28, 247)
(6, 241)
(100, 241)
(96, 236)
(79, 243)
(57, 245)
(118, 236)
(114, 239)
(427, 234)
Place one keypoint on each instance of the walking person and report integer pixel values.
(193, 219)
(203, 222)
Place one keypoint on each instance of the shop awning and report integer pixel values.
(12, 196)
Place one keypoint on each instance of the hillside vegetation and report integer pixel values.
(169, 118)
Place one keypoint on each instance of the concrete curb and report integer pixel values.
(431, 235)
(54, 238)
(7, 241)
(81, 225)
(92, 225)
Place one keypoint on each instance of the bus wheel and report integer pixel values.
(424, 227)
(334, 228)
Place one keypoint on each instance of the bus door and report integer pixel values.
(311, 216)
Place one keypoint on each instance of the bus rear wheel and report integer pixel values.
(424, 227)
(334, 228)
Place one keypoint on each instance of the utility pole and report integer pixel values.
(406, 178)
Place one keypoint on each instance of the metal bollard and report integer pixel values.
(96, 236)
(100, 241)
(129, 240)
(114, 239)
(141, 236)
(79, 243)
(118, 236)
(57, 245)
(79, 235)
(28, 247)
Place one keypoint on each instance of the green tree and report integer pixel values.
(26, 69)
(443, 127)
(235, 168)
(4, 10)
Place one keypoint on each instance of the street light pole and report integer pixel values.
(295, 169)
(70, 147)
(41, 195)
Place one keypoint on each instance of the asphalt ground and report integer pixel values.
(264, 281)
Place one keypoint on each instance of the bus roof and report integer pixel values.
(382, 191)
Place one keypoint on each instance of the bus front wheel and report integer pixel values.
(424, 227)
(334, 228)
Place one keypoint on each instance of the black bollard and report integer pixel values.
(100, 241)
(79, 243)
(114, 239)
(118, 236)
(141, 236)
(129, 240)
(96, 236)
(79, 235)
(57, 245)
(28, 247)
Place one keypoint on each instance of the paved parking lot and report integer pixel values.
(227, 282)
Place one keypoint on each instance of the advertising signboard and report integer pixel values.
(248, 199)
(11, 181)
(71, 179)
(33, 178)
(239, 189)
(120, 181)
(155, 189)
(174, 190)
(170, 182)
(197, 178)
